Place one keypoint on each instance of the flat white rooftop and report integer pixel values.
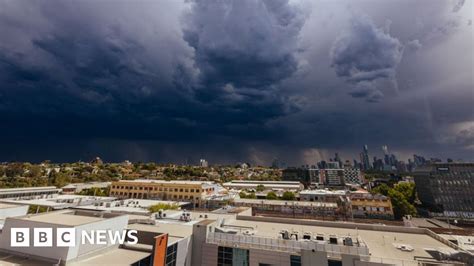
(114, 257)
(323, 192)
(27, 189)
(381, 244)
(7, 206)
(68, 218)
(57, 201)
(130, 205)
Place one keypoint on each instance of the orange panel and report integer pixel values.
(159, 250)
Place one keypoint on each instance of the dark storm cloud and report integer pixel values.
(243, 49)
(231, 80)
(365, 54)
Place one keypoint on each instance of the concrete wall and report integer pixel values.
(268, 257)
(183, 258)
(400, 229)
(309, 258)
(199, 240)
(209, 255)
(113, 224)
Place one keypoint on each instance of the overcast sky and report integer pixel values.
(231, 81)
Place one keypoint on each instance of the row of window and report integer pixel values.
(186, 190)
(227, 256)
(374, 209)
(141, 195)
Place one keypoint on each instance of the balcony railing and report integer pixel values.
(292, 246)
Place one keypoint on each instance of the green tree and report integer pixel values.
(242, 195)
(251, 195)
(288, 195)
(401, 206)
(381, 189)
(271, 196)
(163, 206)
(408, 191)
(95, 191)
(260, 188)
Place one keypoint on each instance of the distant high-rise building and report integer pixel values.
(418, 160)
(203, 163)
(364, 158)
(338, 159)
(333, 165)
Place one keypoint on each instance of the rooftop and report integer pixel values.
(264, 182)
(323, 192)
(114, 257)
(7, 206)
(129, 205)
(381, 243)
(289, 203)
(58, 201)
(26, 189)
(182, 182)
(66, 217)
(172, 229)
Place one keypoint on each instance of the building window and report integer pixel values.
(295, 260)
(232, 256)
(171, 252)
(224, 256)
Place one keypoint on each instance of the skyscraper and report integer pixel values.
(364, 158)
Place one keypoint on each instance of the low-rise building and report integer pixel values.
(366, 205)
(297, 209)
(131, 206)
(78, 187)
(25, 192)
(58, 202)
(268, 185)
(323, 195)
(191, 191)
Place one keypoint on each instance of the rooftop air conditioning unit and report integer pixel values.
(319, 237)
(294, 235)
(307, 236)
(285, 234)
(348, 241)
(333, 240)
(248, 233)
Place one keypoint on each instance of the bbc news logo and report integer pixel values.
(66, 237)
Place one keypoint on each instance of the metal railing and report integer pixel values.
(293, 246)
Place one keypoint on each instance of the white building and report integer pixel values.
(25, 192)
(268, 185)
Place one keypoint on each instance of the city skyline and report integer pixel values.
(232, 81)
